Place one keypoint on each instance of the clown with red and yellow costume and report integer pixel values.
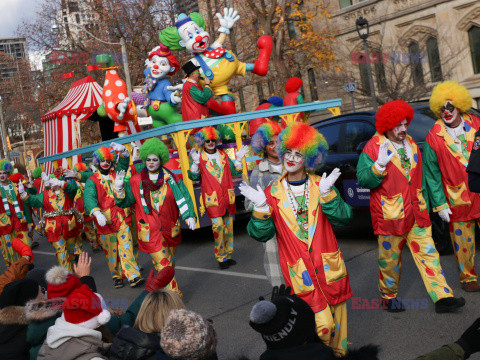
(300, 209)
(14, 215)
(111, 220)
(60, 216)
(214, 169)
(391, 167)
(446, 157)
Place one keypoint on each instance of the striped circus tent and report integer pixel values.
(62, 123)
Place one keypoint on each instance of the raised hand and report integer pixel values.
(122, 107)
(257, 197)
(326, 182)
(82, 268)
(21, 189)
(242, 152)
(195, 155)
(70, 173)
(229, 18)
(384, 155)
(120, 180)
(119, 148)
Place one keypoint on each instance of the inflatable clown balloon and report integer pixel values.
(216, 63)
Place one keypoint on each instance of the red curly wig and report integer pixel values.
(293, 84)
(391, 114)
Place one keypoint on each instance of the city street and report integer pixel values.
(227, 296)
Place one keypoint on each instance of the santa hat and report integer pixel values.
(60, 283)
(391, 114)
(85, 308)
(293, 84)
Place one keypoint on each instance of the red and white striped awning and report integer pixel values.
(83, 98)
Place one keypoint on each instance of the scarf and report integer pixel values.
(150, 83)
(13, 195)
(147, 186)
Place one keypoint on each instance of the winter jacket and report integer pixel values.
(18, 270)
(67, 341)
(132, 344)
(13, 330)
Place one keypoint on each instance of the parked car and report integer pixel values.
(346, 135)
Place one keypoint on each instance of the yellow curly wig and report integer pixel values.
(450, 90)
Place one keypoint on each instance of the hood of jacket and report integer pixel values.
(43, 309)
(63, 331)
(131, 343)
(12, 322)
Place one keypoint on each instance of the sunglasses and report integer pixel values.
(209, 141)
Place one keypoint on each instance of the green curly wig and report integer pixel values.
(156, 147)
(170, 37)
(37, 173)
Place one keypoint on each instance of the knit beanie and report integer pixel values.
(284, 322)
(38, 274)
(60, 283)
(85, 308)
(18, 293)
(188, 336)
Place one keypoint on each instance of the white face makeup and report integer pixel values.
(271, 148)
(293, 160)
(3, 176)
(105, 165)
(449, 113)
(159, 67)
(398, 133)
(194, 38)
(152, 163)
(210, 144)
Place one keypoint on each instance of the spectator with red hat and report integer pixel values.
(391, 167)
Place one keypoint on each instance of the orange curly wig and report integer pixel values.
(391, 114)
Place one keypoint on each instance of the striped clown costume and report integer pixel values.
(301, 214)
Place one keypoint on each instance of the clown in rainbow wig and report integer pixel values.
(214, 169)
(14, 215)
(159, 201)
(59, 215)
(269, 169)
(446, 157)
(391, 167)
(112, 222)
(300, 208)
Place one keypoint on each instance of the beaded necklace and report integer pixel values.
(403, 156)
(300, 210)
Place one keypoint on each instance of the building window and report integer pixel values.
(415, 63)
(313, 84)
(380, 74)
(271, 88)
(261, 96)
(434, 59)
(362, 67)
(242, 99)
(474, 38)
(344, 3)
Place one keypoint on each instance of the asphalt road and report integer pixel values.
(227, 296)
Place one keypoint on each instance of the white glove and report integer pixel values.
(445, 214)
(175, 99)
(192, 223)
(120, 181)
(229, 18)
(195, 155)
(242, 152)
(122, 107)
(120, 149)
(101, 219)
(326, 182)
(45, 177)
(70, 173)
(55, 182)
(178, 87)
(383, 156)
(257, 197)
(21, 189)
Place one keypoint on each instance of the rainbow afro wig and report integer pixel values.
(6, 165)
(80, 167)
(104, 154)
(453, 91)
(156, 147)
(37, 172)
(391, 114)
(263, 135)
(207, 133)
(307, 140)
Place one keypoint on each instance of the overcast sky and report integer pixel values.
(12, 12)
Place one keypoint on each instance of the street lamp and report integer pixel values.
(363, 30)
(55, 27)
(3, 130)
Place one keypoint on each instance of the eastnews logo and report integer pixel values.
(359, 303)
(395, 57)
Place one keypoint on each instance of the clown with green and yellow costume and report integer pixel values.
(159, 201)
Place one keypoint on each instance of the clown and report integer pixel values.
(37, 178)
(300, 208)
(214, 169)
(111, 220)
(446, 156)
(270, 168)
(216, 63)
(391, 167)
(14, 215)
(293, 88)
(160, 101)
(159, 200)
(59, 216)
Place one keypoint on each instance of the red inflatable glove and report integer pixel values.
(22, 249)
(159, 281)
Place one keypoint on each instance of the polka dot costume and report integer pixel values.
(222, 228)
(463, 239)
